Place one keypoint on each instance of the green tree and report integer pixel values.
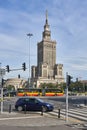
(48, 85)
(10, 88)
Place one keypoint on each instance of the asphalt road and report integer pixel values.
(71, 99)
(57, 101)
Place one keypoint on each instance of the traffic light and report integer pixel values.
(7, 68)
(24, 66)
(76, 79)
(2, 82)
(68, 80)
(85, 88)
(19, 76)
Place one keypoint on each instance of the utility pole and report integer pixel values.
(29, 35)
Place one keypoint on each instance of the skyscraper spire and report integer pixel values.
(46, 17)
(46, 33)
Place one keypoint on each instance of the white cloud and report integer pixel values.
(79, 67)
(68, 27)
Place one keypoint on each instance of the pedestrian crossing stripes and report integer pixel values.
(79, 114)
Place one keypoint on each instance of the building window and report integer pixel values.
(60, 72)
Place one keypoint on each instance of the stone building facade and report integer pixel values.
(16, 82)
(46, 71)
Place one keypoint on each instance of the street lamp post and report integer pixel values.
(29, 35)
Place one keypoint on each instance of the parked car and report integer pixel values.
(32, 104)
(9, 93)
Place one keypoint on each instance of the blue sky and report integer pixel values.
(68, 25)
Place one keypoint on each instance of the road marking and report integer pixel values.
(13, 118)
(75, 115)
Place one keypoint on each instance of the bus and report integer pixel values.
(39, 92)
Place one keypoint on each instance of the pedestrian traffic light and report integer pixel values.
(7, 68)
(68, 80)
(24, 66)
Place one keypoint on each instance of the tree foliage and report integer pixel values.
(74, 86)
(10, 88)
(48, 85)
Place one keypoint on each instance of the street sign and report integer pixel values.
(2, 72)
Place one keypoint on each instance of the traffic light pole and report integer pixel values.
(1, 98)
(2, 73)
(67, 97)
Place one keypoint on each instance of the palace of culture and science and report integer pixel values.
(46, 71)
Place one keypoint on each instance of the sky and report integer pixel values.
(68, 25)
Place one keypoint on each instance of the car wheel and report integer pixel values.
(44, 109)
(19, 108)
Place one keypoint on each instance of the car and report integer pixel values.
(32, 104)
(9, 93)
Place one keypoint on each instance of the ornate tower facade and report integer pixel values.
(46, 57)
(47, 70)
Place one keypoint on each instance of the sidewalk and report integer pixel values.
(35, 119)
(32, 119)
